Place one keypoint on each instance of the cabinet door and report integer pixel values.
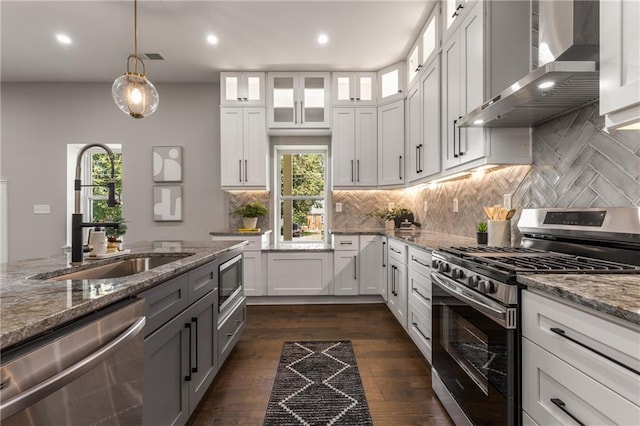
(282, 99)
(391, 144)
(365, 87)
(619, 59)
(345, 275)
(397, 291)
(471, 145)
(343, 146)
(451, 85)
(414, 63)
(299, 274)
(314, 100)
(414, 134)
(242, 88)
(252, 273)
(430, 97)
(373, 265)
(165, 390)
(255, 147)
(391, 81)
(203, 317)
(231, 147)
(366, 146)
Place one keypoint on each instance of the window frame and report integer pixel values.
(278, 150)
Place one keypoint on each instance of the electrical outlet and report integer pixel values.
(41, 209)
(425, 206)
(391, 205)
(338, 207)
(455, 205)
(507, 201)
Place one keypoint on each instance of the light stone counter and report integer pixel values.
(614, 294)
(29, 307)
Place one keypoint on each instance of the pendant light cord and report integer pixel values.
(135, 34)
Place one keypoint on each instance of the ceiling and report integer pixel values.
(263, 34)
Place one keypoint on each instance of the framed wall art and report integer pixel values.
(167, 164)
(167, 203)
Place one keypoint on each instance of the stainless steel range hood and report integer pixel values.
(566, 38)
(526, 104)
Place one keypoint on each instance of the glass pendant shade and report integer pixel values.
(134, 94)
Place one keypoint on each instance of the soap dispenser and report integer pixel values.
(97, 241)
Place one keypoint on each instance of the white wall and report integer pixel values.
(39, 120)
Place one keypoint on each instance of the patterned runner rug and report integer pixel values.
(317, 383)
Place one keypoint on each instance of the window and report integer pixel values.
(96, 169)
(301, 174)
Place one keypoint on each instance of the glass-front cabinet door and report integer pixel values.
(298, 100)
(354, 89)
(242, 88)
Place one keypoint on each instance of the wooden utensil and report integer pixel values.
(510, 214)
(489, 212)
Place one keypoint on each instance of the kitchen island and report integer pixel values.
(30, 307)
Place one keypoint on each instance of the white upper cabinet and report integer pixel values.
(620, 62)
(391, 157)
(391, 83)
(298, 100)
(453, 13)
(354, 146)
(243, 148)
(354, 88)
(242, 89)
(425, 47)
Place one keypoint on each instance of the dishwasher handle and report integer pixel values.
(42, 390)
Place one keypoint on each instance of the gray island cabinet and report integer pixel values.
(182, 348)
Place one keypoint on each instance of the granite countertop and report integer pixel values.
(236, 233)
(298, 247)
(426, 240)
(29, 307)
(614, 294)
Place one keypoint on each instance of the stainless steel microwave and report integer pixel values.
(229, 281)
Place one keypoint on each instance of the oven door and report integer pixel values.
(475, 352)
(229, 281)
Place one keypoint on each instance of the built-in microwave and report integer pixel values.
(229, 281)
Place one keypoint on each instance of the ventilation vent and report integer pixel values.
(154, 56)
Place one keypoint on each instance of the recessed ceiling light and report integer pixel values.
(478, 122)
(63, 39)
(323, 39)
(212, 39)
(546, 84)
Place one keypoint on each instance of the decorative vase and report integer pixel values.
(481, 237)
(249, 222)
(499, 233)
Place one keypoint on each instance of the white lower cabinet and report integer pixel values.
(577, 366)
(359, 264)
(373, 265)
(397, 281)
(419, 300)
(345, 275)
(299, 273)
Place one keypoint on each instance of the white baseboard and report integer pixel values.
(312, 300)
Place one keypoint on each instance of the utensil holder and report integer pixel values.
(499, 233)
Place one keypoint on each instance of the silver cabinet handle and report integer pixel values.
(415, 259)
(416, 291)
(68, 375)
(394, 250)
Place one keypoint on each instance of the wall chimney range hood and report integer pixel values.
(566, 38)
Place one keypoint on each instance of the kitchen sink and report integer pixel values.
(119, 268)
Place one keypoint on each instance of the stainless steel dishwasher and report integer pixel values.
(86, 373)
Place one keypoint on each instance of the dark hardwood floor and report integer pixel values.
(396, 378)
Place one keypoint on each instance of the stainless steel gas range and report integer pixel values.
(475, 322)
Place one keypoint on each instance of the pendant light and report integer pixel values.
(132, 92)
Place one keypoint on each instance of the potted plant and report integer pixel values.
(481, 233)
(250, 212)
(393, 217)
(114, 235)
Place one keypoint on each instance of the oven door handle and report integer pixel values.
(475, 301)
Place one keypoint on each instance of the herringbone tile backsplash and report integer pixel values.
(575, 164)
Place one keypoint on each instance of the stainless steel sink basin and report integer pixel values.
(119, 268)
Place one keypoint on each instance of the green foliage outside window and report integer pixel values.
(308, 179)
(101, 173)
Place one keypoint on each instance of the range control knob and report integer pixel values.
(434, 263)
(487, 286)
(443, 267)
(473, 281)
(457, 274)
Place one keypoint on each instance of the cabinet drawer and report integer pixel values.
(419, 327)
(553, 391)
(230, 329)
(553, 325)
(420, 261)
(346, 242)
(420, 289)
(398, 250)
(165, 301)
(202, 280)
